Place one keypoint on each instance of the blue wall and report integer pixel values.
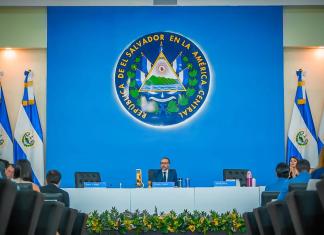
(242, 126)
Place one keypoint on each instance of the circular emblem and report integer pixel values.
(162, 79)
(28, 139)
(301, 138)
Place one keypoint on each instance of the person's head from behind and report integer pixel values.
(53, 177)
(303, 166)
(321, 159)
(165, 163)
(24, 170)
(293, 162)
(282, 170)
(10, 171)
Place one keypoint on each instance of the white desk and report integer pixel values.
(164, 199)
(220, 199)
(100, 199)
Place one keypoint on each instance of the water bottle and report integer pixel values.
(187, 182)
(249, 179)
(180, 182)
(253, 182)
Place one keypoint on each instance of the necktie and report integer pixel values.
(164, 176)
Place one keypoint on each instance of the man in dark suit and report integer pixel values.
(165, 174)
(53, 179)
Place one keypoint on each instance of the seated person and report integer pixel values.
(10, 171)
(282, 171)
(24, 174)
(165, 174)
(303, 168)
(53, 180)
(318, 173)
(293, 172)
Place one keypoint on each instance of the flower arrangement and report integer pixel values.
(141, 222)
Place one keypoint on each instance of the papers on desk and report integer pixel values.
(163, 184)
(227, 183)
(95, 184)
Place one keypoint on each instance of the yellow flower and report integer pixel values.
(233, 215)
(215, 222)
(192, 228)
(170, 229)
(95, 223)
(202, 220)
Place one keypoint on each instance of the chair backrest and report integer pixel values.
(24, 187)
(268, 197)
(8, 193)
(251, 224)
(53, 197)
(49, 218)
(297, 187)
(280, 218)
(25, 213)
(67, 221)
(151, 174)
(79, 227)
(263, 220)
(81, 177)
(239, 174)
(320, 191)
(306, 212)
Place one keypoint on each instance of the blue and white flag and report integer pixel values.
(139, 77)
(184, 76)
(302, 141)
(321, 134)
(146, 64)
(6, 148)
(177, 64)
(28, 136)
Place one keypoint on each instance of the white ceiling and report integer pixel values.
(150, 2)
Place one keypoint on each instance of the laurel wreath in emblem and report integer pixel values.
(28, 139)
(301, 138)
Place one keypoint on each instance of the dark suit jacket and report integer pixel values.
(172, 176)
(52, 188)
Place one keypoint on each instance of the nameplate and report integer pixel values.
(95, 184)
(227, 183)
(162, 184)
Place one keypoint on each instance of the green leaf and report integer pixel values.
(138, 102)
(183, 101)
(138, 59)
(130, 74)
(193, 73)
(172, 107)
(193, 82)
(190, 92)
(134, 93)
(134, 67)
(185, 59)
(132, 83)
(189, 65)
